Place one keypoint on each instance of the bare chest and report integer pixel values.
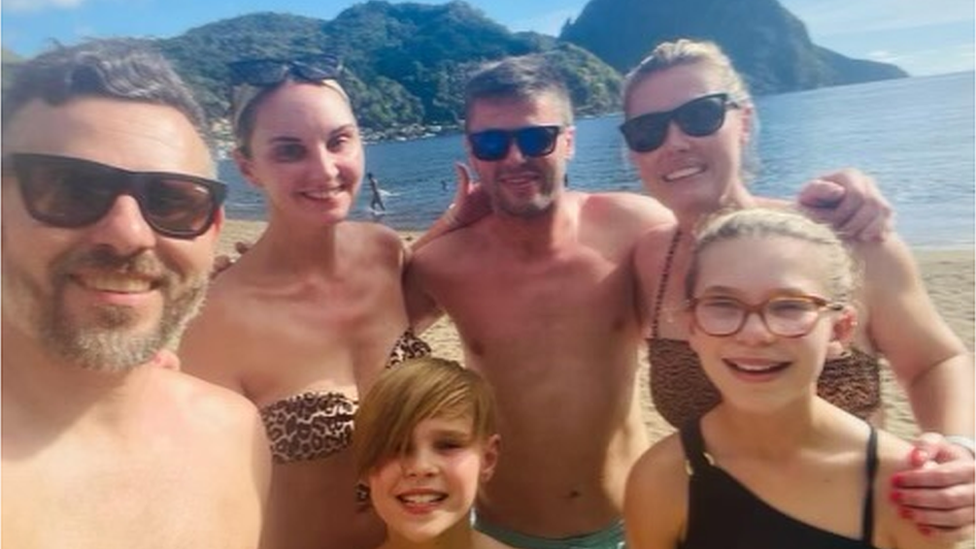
(316, 341)
(97, 499)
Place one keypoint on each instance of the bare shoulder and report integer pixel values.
(226, 316)
(373, 238)
(219, 408)
(892, 529)
(624, 210)
(656, 498)
(451, 248)
(661, 468)
(653, 246)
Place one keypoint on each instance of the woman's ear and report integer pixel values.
(489, 458)
(748, 120)
(842, 333)
(246, 166)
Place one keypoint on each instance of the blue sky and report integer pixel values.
(922, 36)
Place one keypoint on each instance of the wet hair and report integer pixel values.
(833, 255)
(416, 390)
(245, 100)
(517, 78)
(120, 68)
(684, 52)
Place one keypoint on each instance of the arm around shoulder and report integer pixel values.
(422, 310)
(656, 498)
(895, 528)
(928, 358)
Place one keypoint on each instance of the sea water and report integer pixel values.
(914, 135)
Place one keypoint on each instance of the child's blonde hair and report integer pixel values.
(841, 269)
(418, 389)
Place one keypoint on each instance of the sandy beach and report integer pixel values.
(948, 274)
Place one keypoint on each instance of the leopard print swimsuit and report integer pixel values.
(682, 392)
(315, 425)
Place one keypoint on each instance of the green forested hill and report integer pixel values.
(405, 64)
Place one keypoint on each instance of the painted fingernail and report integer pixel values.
(925, 530)
(905, 513)
(897, 481)
(896, 496)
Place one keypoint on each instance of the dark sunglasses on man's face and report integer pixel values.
(532, 142)
(70, 192)
(269, 72)
(697, 118)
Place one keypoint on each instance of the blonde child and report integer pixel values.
(425, 441)
(773, 465)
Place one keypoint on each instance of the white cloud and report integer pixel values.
(36, 5)
(883, 56)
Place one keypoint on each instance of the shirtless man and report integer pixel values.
(542, 293)
(103, 262)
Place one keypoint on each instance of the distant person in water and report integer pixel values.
(377, 202)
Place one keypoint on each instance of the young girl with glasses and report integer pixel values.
(314, 311)
(774, 464)
(425, 441)
(690, 125)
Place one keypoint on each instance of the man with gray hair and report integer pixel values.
(110, 216)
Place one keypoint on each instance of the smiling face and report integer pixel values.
(522, 186)
(110, 294)
(306, 152)
(755, 369)
(690, 175)
(431, 488)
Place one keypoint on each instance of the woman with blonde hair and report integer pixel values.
(690, 124)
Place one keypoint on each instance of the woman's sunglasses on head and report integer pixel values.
(70, 192)
(532, 142)
(698, 118)
(269, 72)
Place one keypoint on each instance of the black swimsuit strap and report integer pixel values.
(694, 445)
(663, 283)
(867, 517)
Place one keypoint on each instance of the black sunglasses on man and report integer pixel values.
(67, 192)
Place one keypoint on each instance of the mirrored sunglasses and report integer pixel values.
(532, 142)
(269, 72)
(70, 192)
(698, 118)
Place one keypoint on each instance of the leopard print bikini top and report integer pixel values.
(315, 425)
(682, 392)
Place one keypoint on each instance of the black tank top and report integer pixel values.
(724, 514)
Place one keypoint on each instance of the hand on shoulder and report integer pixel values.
(934, 488)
